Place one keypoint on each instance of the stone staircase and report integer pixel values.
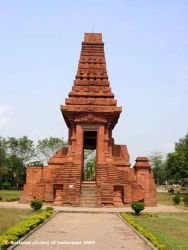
(88, 194)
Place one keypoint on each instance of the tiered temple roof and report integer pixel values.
(91, 91)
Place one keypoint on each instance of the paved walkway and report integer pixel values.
(84, 231)
(86, 228)
(160, 208)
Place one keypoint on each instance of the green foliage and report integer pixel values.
(36, 204)
(16, 153)
(49, 209)
(137, 206)
(143, 231)
(167, 199)
(171, 190)
(12, 216)
(177, 162)
(20, 151)
(6, 185)
(89, 170)
(3, 161)
(47, 147)
(175, 167)
(89, 165)
(22, 147)
(175, 170)
(158, 166)
(156, 159)
(185, 200)
(3, 148)
(171, 229)
(176, 199)
(12, 199)
(10, 195)
(15, 232)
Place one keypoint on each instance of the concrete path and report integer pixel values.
(84, 231)
(160, 208)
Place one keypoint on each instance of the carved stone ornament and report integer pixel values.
(90, 118)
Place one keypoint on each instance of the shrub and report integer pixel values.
(130, 219)
(137, 206)
(36, 204)
(12, 199)
(185, 200)
(171, 190)
(15, 232)
(6, 185)
(49, 208)
(1, 198)
(176, 199)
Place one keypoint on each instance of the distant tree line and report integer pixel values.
(174, 168)
(16, 153)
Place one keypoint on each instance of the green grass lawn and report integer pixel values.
(9, 195)
(11, 216)
(166, 199)
(170, 229)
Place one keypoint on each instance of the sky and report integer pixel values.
(146, 48)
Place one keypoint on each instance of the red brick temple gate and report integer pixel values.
(91, 113)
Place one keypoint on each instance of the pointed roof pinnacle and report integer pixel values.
(91, 90)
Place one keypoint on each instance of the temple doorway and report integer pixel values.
(89, 155)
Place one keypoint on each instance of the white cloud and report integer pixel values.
(4, 117)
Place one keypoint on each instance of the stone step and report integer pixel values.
(88, 204)
(88, 198)
(85, 204)
(88, 201)
(88, 194)
(89, 190)
(92, 194)
(89, 187)
(83, 194)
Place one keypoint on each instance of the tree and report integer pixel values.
(19, 152)
(89, 170)
(89, 164)
(3, 147)
(158, 165)
(3, 160)
(46, 148)
(177, 162)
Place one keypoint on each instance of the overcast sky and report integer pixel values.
(146, 46)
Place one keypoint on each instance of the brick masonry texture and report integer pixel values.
(91, 113)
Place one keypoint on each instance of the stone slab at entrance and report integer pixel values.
(91, 113)
(93, 231)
